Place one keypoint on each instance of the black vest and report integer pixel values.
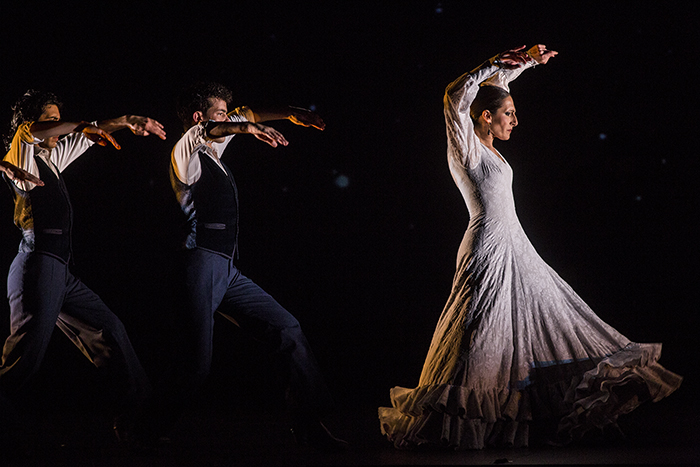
(44, 214)
(211, 207)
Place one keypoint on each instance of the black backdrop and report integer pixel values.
(604, 159)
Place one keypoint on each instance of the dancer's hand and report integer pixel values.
(144, 126)
(99, 136)
(306, 118)
(15, 173)
(540, 53)
(513, 58)
(267, 134)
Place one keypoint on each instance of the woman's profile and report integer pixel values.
(515, 347)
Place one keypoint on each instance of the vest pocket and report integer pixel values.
(214, 226)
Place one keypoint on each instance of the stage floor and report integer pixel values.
(216, 433)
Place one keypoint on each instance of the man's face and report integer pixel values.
(217, 110)
(51, 114)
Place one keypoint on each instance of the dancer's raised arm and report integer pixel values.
(498, 71)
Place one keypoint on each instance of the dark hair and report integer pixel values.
(488, 98)
(29, 108)
(196, 99)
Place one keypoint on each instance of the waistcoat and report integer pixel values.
(211, 207)
(44, 214)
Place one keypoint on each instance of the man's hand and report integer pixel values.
(15, 173)
(144, 126)
(306, 118)
(99, 136)
(267, 134)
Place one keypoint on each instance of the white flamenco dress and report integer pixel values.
(514, 345)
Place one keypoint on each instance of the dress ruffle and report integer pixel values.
(473, 418)
(616, 386)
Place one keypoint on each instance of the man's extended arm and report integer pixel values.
(15, 173)
(269, 135)
(47, 129)
(142, 126)
(296, 115)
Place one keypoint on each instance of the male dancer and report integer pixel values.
(207, 193)
(41, 289)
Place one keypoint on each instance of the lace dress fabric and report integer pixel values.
(514, 344)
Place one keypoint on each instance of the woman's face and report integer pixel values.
(504, 120)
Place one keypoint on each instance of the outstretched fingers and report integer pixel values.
(99, 136)
(307, 118)
(540, 53)
(16, 173)
(270, 136)
(144, 126)
(23, 175)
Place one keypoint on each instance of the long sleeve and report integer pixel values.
(24, 146)
(185, 166)
(21, 153)
(183, 159)
(506, 75)
(463, 144)
(69, 148)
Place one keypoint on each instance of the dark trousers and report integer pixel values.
(212, 283)
(43, 293)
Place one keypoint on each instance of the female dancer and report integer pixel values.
(514, 345)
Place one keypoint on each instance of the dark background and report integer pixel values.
(605, 161)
